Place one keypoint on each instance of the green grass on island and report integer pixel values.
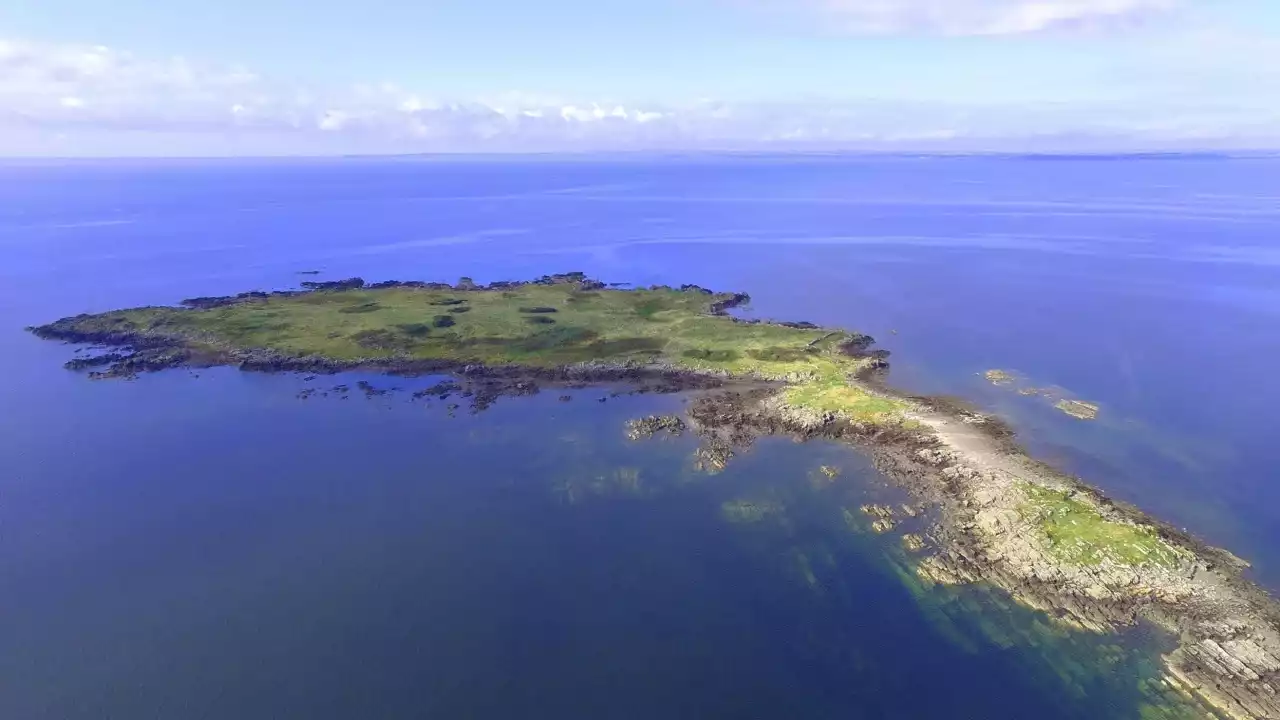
(533, 325)
(1078, 533)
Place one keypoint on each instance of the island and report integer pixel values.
(998, 516)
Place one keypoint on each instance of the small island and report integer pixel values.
(998, 516)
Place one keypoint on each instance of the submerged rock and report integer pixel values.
(713, 457)
(749, 511)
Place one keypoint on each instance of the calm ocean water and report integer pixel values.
(211, 546)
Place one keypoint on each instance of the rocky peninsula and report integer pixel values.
(998, 516)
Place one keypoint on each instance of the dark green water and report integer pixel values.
(244, 554)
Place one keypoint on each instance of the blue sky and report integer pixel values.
(333, 76)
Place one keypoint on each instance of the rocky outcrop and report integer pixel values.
(646, 427)
(1228, 629)
(884, 518)
(723, 307)
(354, 283)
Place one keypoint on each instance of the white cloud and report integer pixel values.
(67, 99)
(978, 17)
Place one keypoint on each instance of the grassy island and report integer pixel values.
(553, 322)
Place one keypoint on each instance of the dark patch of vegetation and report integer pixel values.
(540, 320)
(449, 301)
(382, 340)
(364, 307)
(537, 310)
(416, 330)
(711, 355)
(443, 321)
(354, 283)
(245, 327)
(555, 338)
(648, 308)
(781, 354)
(627, 346)
(459, 309)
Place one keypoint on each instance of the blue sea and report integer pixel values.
(208, 545)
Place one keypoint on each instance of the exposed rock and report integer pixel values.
(883, 514)
(84, 363)
(440, 390)
(647, 427)
(883, 525)
(724, 306)
(354, 283)
(1078, 409)
(385, 284)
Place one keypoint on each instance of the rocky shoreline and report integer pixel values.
(960, 462)
(966, 467)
